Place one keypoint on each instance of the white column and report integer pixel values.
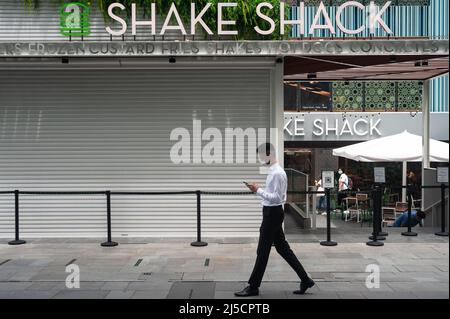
(277, 114)
(426, 131)
(404, 172)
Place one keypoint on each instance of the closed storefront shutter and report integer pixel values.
(97, 130)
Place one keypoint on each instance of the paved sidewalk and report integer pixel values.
(410, 268)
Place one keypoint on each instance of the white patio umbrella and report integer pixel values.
(404, 147)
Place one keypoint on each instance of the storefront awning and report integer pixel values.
(372, 67)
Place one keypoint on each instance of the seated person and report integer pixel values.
(417, 217)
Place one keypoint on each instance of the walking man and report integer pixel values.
(271, 231)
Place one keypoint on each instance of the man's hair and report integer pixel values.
(421, 214)
(266, 148)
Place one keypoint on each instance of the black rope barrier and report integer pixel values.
(62, 193)
(443, 211)
(153, 193)
(375, 194)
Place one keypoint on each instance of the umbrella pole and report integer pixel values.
(404, 172)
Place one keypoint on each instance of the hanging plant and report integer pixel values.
(244, 14)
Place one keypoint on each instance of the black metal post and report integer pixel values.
(328, 242)
(109, 242)
(377, 233)
(377, 219)
(17, 240)
(381, 233)
(442, 232)
(409, 196)
(199, 242)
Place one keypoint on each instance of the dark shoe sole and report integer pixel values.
(299, 292)
(249, 295)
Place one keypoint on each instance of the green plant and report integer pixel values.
(244, 14)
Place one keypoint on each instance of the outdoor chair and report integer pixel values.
(357, 206)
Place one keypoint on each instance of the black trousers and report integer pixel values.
(271, 232)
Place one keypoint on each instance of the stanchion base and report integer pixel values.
(378, 238)
(199, 244)
(328, 243)
(409, 233)
(444, 234)
(375, 243)
(109, 244)
(382, 234)
(17, 242)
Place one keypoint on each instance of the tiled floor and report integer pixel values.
(409, 268)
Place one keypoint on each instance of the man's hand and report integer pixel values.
(253, 187)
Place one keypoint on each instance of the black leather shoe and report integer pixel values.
(247, 292)
(305, 285)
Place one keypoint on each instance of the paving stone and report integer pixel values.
(33, 294)
(120, 294)
(47, 285)
(81, 294)
(115, 285)
(10, 286)
(389, 295)
(150, 294)
(432, 294)
(192, 290)
(351, 295)
(410, 268)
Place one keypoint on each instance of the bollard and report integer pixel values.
(199, 242)
(381, 233)
(328, 242)
(17, 240)
(442, 232)
(377, 233)
(109, 242)
(409, 232)
(377, 219)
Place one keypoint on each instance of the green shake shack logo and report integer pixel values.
(75, 19)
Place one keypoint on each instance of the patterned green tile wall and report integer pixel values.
(347, 96)
(409, 95)
(380, 96)
(374, 96)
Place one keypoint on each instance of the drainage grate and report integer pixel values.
(192, 290)
(4, 262)
(206, 262)
(138, 262)
(145, 276)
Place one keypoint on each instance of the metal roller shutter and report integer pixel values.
(83, 130)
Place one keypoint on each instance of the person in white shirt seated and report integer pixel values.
(271, 231)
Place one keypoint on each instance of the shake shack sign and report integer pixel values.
(270, 18)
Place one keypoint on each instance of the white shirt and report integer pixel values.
(276, 187)
(320, 189)
(343, 182)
